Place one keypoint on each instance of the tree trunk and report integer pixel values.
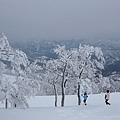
(63, 94)
(55, 90)
(15, 105)
(78, 94)
(6, 103)
(63, 86)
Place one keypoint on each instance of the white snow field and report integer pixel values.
(42, 108)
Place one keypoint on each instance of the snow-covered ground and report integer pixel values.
(42, 108)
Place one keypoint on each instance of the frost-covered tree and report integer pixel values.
(7, 88)
(25, 89)
(103, 85)
(23, 86)
(83, 64)
(114, 82)
(2, 67)
(34, 70)
(52, 76)
(88, 64)
(18, 89)
(64, 66)
(17, 59)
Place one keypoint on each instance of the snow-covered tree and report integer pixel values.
(52, 76)
(89, 63)
(23, 86)
(17, 59)
(114, 82)
(83, 64)
(33, 70)
(7, 87)
(2, 67)
(25, 89)
(65, 66)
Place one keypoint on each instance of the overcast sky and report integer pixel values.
(59, 19)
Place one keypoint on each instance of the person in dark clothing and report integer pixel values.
(85, 96)
(107, 97)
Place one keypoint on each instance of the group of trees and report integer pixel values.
(18, 88)
(78, 65)
(15, 62)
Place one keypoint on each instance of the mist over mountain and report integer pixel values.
(36, 49)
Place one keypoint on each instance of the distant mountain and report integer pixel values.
(35, 49)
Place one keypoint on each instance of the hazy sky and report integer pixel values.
(59, 19)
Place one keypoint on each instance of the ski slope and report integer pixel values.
(42, 108)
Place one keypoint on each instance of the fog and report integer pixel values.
(23, 20)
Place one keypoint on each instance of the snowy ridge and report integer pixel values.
(7, 53)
